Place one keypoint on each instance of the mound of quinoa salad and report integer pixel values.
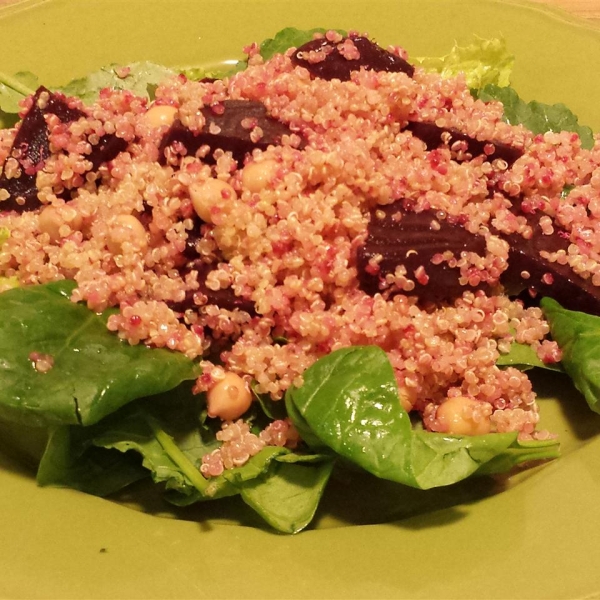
(331, 215)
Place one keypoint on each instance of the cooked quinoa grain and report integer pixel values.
(250, 264)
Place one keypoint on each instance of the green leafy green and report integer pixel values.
(536, 116)
(281, 486)
(290, 37)
(12, 90)
(220, 72)
(72, 460)
(482, 62)
(350, 401)
(141, 78)
(288, 498)
(524, 357)
(94, 372)
(578, 336)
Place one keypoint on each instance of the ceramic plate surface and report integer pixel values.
(539, 538)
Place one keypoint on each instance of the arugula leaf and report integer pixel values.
(524, 357)
(94, 372)
(578, 336)
(482, 62)
(350, 401)
(287, 38)
(536, 116)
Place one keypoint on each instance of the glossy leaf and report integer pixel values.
(350, 402)
(94, 373)
(288, 497)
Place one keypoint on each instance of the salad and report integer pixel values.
(330, 259)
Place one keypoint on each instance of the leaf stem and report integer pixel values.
(15, 84)
(178, 457)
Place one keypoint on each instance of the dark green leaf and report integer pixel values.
(519, 453)
(524, 357)
(578, 336)
(271, 408)
(536, 116)
(94, 372)
(350, 402)
(288, 497)
(71, 460)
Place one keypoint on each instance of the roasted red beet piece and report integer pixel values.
(411, 241)
(229, 126)
(31, 149)
(434, 136)
(528, 270)
(334, 65)
(224, 298)
(107, 148)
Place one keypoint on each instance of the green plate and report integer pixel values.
(535, 536)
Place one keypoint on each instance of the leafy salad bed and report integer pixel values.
(117, 414)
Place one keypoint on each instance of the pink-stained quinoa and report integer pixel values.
(285, 232)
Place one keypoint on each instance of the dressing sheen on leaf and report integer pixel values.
(350, 401)
(93, 374)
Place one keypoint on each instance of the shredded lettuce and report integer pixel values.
(482, 62)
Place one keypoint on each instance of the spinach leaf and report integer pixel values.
(536, 116)
(271, 408)
(524, 357)
(578, 336)
(288, 497)
(282, 486)
(94, 372)
(71, 460)
(350, 402)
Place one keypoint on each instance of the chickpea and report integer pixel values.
(126, 228)
(463, 416)
(210, 194)
(159, 115)
(229, 399)
(257, 175)
(53, 218)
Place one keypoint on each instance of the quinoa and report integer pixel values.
(284, 235)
